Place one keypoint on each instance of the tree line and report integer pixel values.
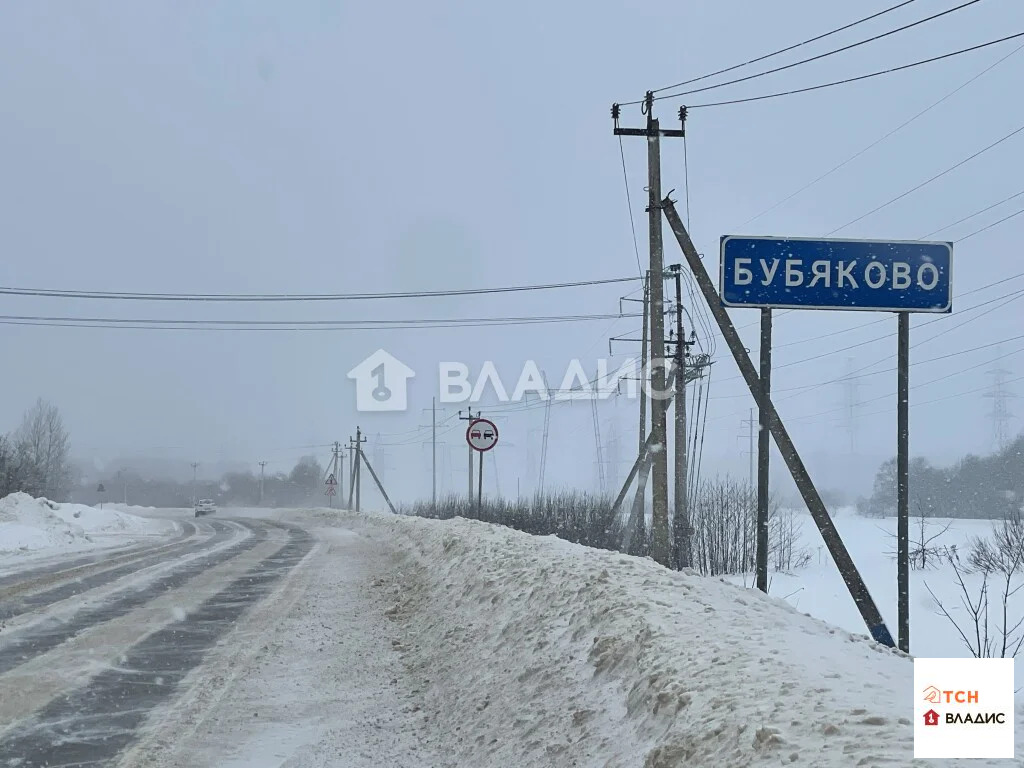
(35, 458)
(985, 487)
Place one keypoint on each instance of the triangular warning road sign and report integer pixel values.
(331, 480)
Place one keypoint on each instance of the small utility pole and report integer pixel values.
(124, 474)
(341, 474)
(335, 451)
(763, 446)
(352, 472)
(358, 449)
(262, 465)
(195, 466)
(903, 479)
(469, 417)
(661, 548)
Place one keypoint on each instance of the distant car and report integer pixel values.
(205, 507)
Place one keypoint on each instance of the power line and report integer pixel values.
(1011, 296)
(629, 207)
(1005, 299)
(993, 224)
(428, 322)
(879, 140)
(135, 296)
(824, 55)
(886, 318)
(977, 213)
(937, 176)
(1008, 298)
(917, 386)
(814, 39)
(163, 326)
(858, 78)
(859, 372)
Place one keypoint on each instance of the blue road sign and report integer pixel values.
(802, 273)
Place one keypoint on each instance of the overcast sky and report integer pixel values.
(312, 147)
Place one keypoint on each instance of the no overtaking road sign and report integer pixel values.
(482, 435)
(803, 273)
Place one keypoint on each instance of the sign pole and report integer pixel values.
(903, 479)
(763, 445)
(851, 576)
(481, 436)
(480, 486)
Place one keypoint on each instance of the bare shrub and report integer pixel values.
(724, 520)
(986, 629)
(578, 517)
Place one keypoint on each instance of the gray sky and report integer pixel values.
(320, 147)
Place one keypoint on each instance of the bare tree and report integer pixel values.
(43, 449)
(1004, 550)
(981, 639)
(924, 552)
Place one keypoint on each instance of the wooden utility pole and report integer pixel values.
(262, 465)
(340, 476)
(661, 545)
(352, 472)
(643, 363)
(335, 453)
(357, 449)
(681, 512)
(470, 417)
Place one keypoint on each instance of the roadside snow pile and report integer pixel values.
(29, 524)
(534, 651)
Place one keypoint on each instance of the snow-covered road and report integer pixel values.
(324, 638)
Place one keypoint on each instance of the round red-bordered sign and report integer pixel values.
(482, 435)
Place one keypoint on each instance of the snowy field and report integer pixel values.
(38, 527)
(818, 589)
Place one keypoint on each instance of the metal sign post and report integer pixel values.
(332, 487)
(820, 274)
(482, 436)
(870, 275)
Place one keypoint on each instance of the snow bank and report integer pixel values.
(29, 524)
(534, 651)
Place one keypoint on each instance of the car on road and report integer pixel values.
(205, 507)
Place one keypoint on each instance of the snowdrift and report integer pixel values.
(534, 651)
(29, 524)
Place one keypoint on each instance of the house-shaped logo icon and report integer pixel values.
(931, 717)
(932, 695)
(381, 382)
